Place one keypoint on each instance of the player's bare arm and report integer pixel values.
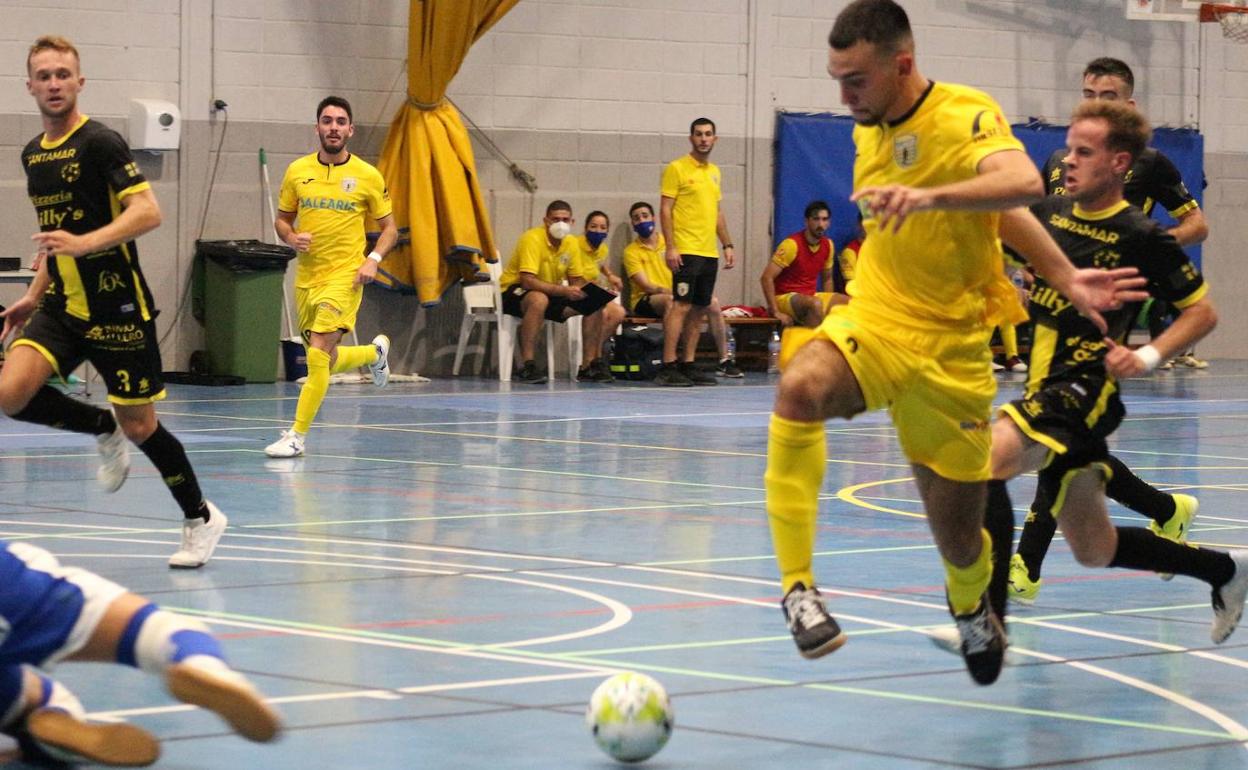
(672, 255)
(1193, 324)
(140, 214)
(531, 282)
(1191, 229)
(1089, 290)
(385, 242)
(285, 227)
(721, 231)
(1005, 179)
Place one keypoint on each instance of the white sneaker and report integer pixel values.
(381, 367)
(289, 445)
(114, 459)
(199, 539)
(228, 694)
(1228, 601)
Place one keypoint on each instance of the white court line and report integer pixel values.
(1234, 728)
(390, 695)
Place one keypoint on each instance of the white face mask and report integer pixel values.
(559, 230)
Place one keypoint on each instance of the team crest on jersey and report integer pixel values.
(906, 150)
(348, 184)
(1056, 174)
(71, 171)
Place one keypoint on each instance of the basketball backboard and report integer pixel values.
(1163, 10)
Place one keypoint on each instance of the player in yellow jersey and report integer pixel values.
(324, 200)
(938, 175)
(598, 326)
(691, 220)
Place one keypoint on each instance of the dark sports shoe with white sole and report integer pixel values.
(815, 632)
(983, 642)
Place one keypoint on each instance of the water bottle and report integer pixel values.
(773, 353)
(732, 343)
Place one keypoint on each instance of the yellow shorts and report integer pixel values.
(784, 302)
(937, 385)
(328, 307)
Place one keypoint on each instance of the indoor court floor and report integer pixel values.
(447, 576)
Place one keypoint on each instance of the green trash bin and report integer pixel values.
(239, 293)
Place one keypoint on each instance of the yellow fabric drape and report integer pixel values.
(427, 158)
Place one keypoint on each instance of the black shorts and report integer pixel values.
(643, 309)
(514, 296)
(1072, 417)
(125, 352)
(694, 282)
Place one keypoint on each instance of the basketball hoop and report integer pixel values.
(1233, 18)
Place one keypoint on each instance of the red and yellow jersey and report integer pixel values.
(943, 267)
(802, 264)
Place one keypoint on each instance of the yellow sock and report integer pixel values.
(313, 391)
(796, 455)
(967, 584)
(1009, 340)
(353, 357)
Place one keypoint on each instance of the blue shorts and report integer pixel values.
(47, 612)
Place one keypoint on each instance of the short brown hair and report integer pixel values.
(1129, 131)
(51, 43)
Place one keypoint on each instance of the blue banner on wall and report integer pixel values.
(815, 161)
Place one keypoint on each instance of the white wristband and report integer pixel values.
(1149, 356)
(374, 256)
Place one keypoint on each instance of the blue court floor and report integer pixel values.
(446, 577)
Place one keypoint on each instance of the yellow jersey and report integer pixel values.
(534, 255)
(695, 189)
(588, 260)
(331, 202)
(640, 258)
(942, 269)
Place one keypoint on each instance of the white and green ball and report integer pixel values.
(630, 716)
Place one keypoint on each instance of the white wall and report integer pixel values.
(592, 97)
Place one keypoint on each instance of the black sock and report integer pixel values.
(1140, 549)
(1038, 530)
(999, 521)
(1137, 494)
(54, 409)
(167, 454)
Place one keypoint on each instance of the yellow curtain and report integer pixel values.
(427, 158)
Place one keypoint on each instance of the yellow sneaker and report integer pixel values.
(1175, 528)
(1022, 588)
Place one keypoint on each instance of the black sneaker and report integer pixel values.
(983, 642)
(670, 376)
(602, 370)
(728, 368)
(530, 375)
(696, 375)
(585, 374)
(815, 632)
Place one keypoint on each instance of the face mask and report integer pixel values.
(644, 229)
(559, 230)
(595, 239)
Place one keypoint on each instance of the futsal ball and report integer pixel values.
(630, 716)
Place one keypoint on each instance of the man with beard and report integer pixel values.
(327, 195)
(790, 280)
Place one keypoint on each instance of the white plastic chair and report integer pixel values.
(483, 304)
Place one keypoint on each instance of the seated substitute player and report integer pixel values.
(650, 289)
(791, 279)
(533, 283)
(324, 200)
(50, 613)
(934, 163)
(599, 325)
(89, 300)
(1071, 403)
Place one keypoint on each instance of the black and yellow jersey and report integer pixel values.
(1068, 345)
(1152, 179)
(77, 184)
